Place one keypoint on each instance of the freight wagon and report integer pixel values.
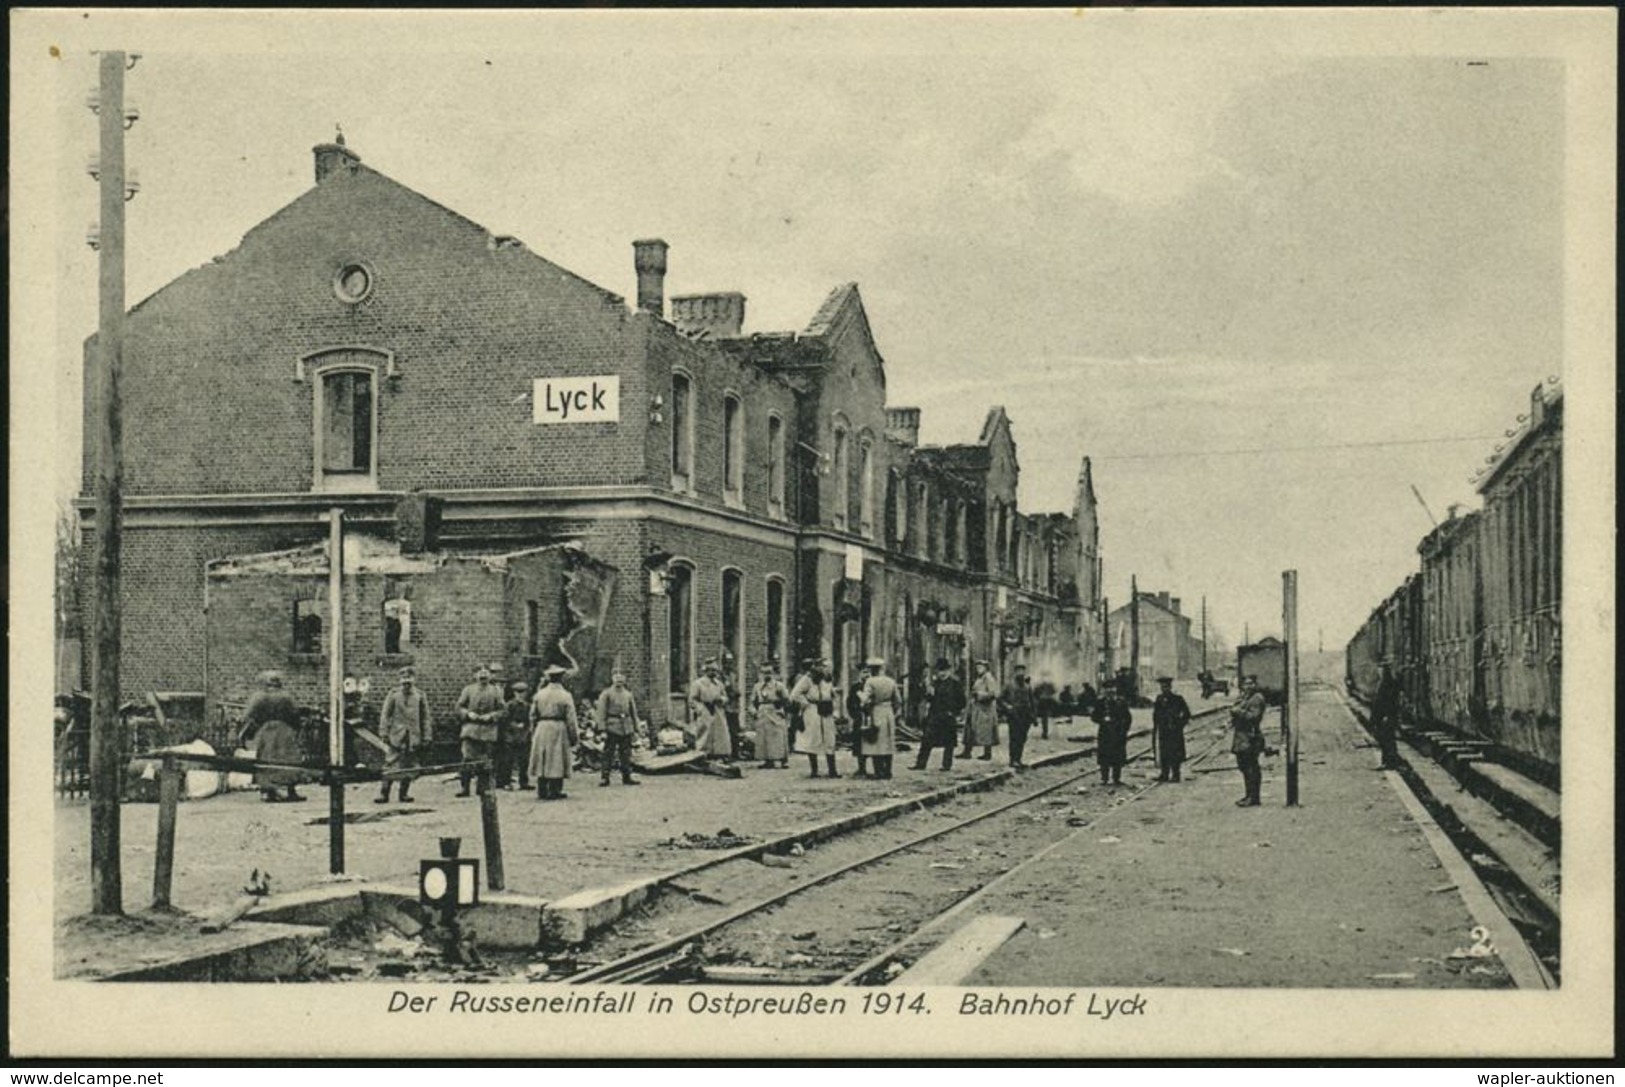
(1475, 637)
(1265, 661)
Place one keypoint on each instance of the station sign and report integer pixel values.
(595, 399)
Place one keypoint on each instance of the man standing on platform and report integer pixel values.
(878, 698)
(1112, 719)
(813, 699)
(706, 697)
(481, 710)
(982, 728)
(1169, 716)
(1385, 718)
(1247, 739)
(618, 717)
(554, 735)
(1017, 703)
(945, 707)
(770, 702)
(403, 724)
(513, 751)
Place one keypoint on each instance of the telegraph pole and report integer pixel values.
(1204, 633)
(1134, 636)
(1289, 708)
(335, 691)
(106, 755)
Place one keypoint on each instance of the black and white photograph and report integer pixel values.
(778, 534)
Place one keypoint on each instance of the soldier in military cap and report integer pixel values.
(1169, 716)
(481, 709)
(706, 698)
(813, 697)
(946, 707)
(880, 699)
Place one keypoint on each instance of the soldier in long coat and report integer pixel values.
(513, 752)
(270, 721)
(1247, 739)
(813, 702)
(554, 735)
(1170, 713)
(880, 698)
(405, 725)
(707, 698)
(982, 728)
(770, 703)
(618, 717)
(947, 705)
(1112, 718)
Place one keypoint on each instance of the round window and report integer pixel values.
(352, 283)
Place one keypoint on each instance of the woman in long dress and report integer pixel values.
(813, 699)
(982, 730)
(270, 722)
(553, 737)
(770, 699)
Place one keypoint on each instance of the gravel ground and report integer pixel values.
(1184, 889)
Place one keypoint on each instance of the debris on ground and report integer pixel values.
(809, 934)
(1046, 934)
(953, 865)
(1261, 845)
(1057, 801)
(1403, 976)
(537, 971)
(1236, 951)
(895, 968)
(796, 850)
(773, 860)
(697, 896)
(1077, 821)
(1110, 839)
(1442, 888)
(722, 839)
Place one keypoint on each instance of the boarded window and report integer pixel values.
(775, 449)
(397, 625)
(682, 432)
(775, 620)
(733, 447)
(733, 616)
(680, 632)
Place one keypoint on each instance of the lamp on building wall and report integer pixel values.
(657, 563)
(657, 404)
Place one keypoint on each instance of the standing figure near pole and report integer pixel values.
(269, 722)
(405, 725)
(481, 709)
(513, 750)
(554, 735)
(1247, 739)
(879, 701)
(947, 705)
(813, 699)
(706, 698)
(1169, 716)
(1113, 720)
(982, 727)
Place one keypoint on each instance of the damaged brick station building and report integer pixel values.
(533, 472)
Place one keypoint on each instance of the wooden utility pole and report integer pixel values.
(106, 747)
(1289, 707)
(1134, 638)
(1103, 667)
(1204, 633)
(335, 690)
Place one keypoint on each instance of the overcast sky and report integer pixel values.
(1164, 240)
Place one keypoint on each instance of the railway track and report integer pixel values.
(853, 911)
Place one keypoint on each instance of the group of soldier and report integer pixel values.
(534, 737)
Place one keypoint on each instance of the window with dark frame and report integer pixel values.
(680, 628)
(682, 434)
(347, 406)
(775, 620)
(307, 628)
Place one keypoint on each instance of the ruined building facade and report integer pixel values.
(464, 401)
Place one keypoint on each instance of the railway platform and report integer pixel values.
(1354, 888)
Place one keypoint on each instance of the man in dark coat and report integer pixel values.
(481, 710)
(945, 707)
(1111, 736)
(1385, 718)
(1045, 703)
(1016, 700)
(1247, 739)
(1169, 716)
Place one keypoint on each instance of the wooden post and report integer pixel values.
(1103, 667)
(163, 866)
(1289, 706)
(1204, 633)
(335, 690)
(491, 828)
(1134, 639)
(106, 747)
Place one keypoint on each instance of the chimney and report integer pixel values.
(718, 316)
(649, 258)
(417, 523)
(1176, 606)
(1162, 600)
(334, 158)
(903, 424)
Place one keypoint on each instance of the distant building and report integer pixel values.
(1167, 647)
(464, 401)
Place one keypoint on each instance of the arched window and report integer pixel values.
(733, 450)
(682, 433)
(777, 635)
(843, 479)
(922, 502)
(346, 417)
(680, 628)
(775, 471)
(866, 484)
(733, 621)
(899, 499)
